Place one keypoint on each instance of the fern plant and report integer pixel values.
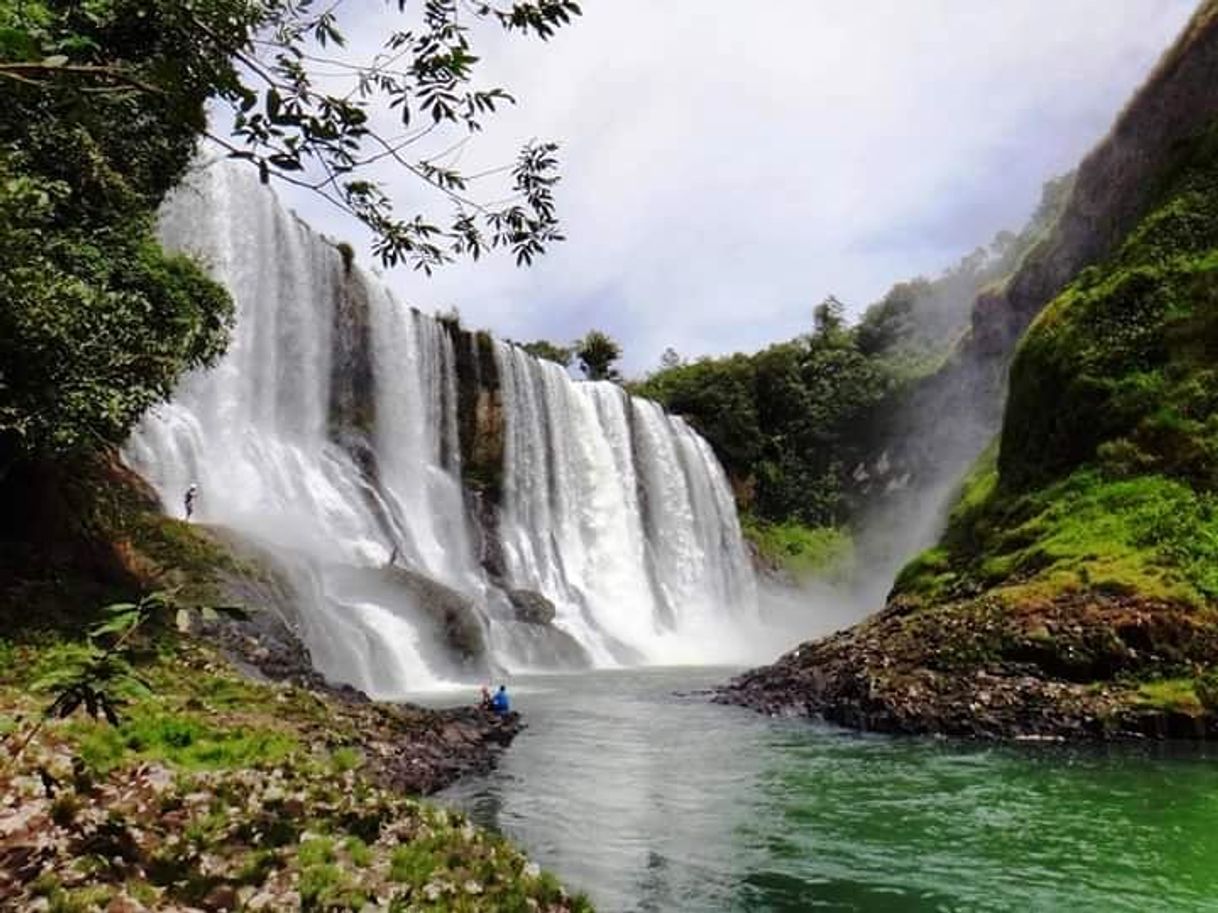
(99, 675)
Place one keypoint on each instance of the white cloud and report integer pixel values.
(726, 165)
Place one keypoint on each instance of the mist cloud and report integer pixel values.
(727, 165)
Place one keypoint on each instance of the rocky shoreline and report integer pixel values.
(1099, 669)
(223, 789)
(408, 748)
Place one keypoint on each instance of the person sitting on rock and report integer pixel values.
(486, 703)
(499, 703)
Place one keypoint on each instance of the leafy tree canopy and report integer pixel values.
(597, 352)
(543, 348)
(301, 109)
(794, 423)
(98, 322)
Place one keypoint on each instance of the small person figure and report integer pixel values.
(485, 702)
(191, 493)
(499, 703)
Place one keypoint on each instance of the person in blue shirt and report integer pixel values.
(499, 703)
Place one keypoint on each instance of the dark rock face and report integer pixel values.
(480, 419)
(1066, 670)
(455, 616)
(531, 607)
(545, 646)
(440, 746)
(489, 543)
(535, 638)
(352, 375)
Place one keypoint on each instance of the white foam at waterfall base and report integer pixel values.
(616, 512)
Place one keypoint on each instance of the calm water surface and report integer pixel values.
(634, 789)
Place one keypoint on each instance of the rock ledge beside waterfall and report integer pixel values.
(406, 747)
(1075, 668)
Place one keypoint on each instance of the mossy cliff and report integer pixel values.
(1075, 590)
(934, 427)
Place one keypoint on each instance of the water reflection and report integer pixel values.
(650, 801)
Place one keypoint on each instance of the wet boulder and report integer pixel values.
(531, 607)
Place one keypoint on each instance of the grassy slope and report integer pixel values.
(1101, 488)
(213, 787)
(800, 553)
(219, 792)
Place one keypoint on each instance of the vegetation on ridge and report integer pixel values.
(803, 427)
(1104, 479)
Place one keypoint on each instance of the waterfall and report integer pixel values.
(330, 435)
(619, 513)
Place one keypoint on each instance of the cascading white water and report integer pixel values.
(621, 515)
(616, 512)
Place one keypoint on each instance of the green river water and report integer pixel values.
(635, 789)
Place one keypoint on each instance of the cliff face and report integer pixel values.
(1074, 592)
(951, 416)
(1115, 184)
(480, 410)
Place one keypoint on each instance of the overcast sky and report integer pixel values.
(729, 164)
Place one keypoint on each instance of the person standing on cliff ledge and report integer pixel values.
(191, 494)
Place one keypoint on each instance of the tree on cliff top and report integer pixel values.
(597, 352)
(543, 348)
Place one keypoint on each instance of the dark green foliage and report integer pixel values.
(785, 422)
(794, 424)
(543, 348)
(98, 322)
(596, 353)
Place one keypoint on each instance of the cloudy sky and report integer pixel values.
(727, 165)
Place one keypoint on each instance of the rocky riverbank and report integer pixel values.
(1075, 668)
(218, 792)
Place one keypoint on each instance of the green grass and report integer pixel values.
(316, 851)
(345, 759)
(1151, 536)
(358, 851)
(804, 552)
(414, 862)
(328, 887)
(185, 740)
(1177, 695)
